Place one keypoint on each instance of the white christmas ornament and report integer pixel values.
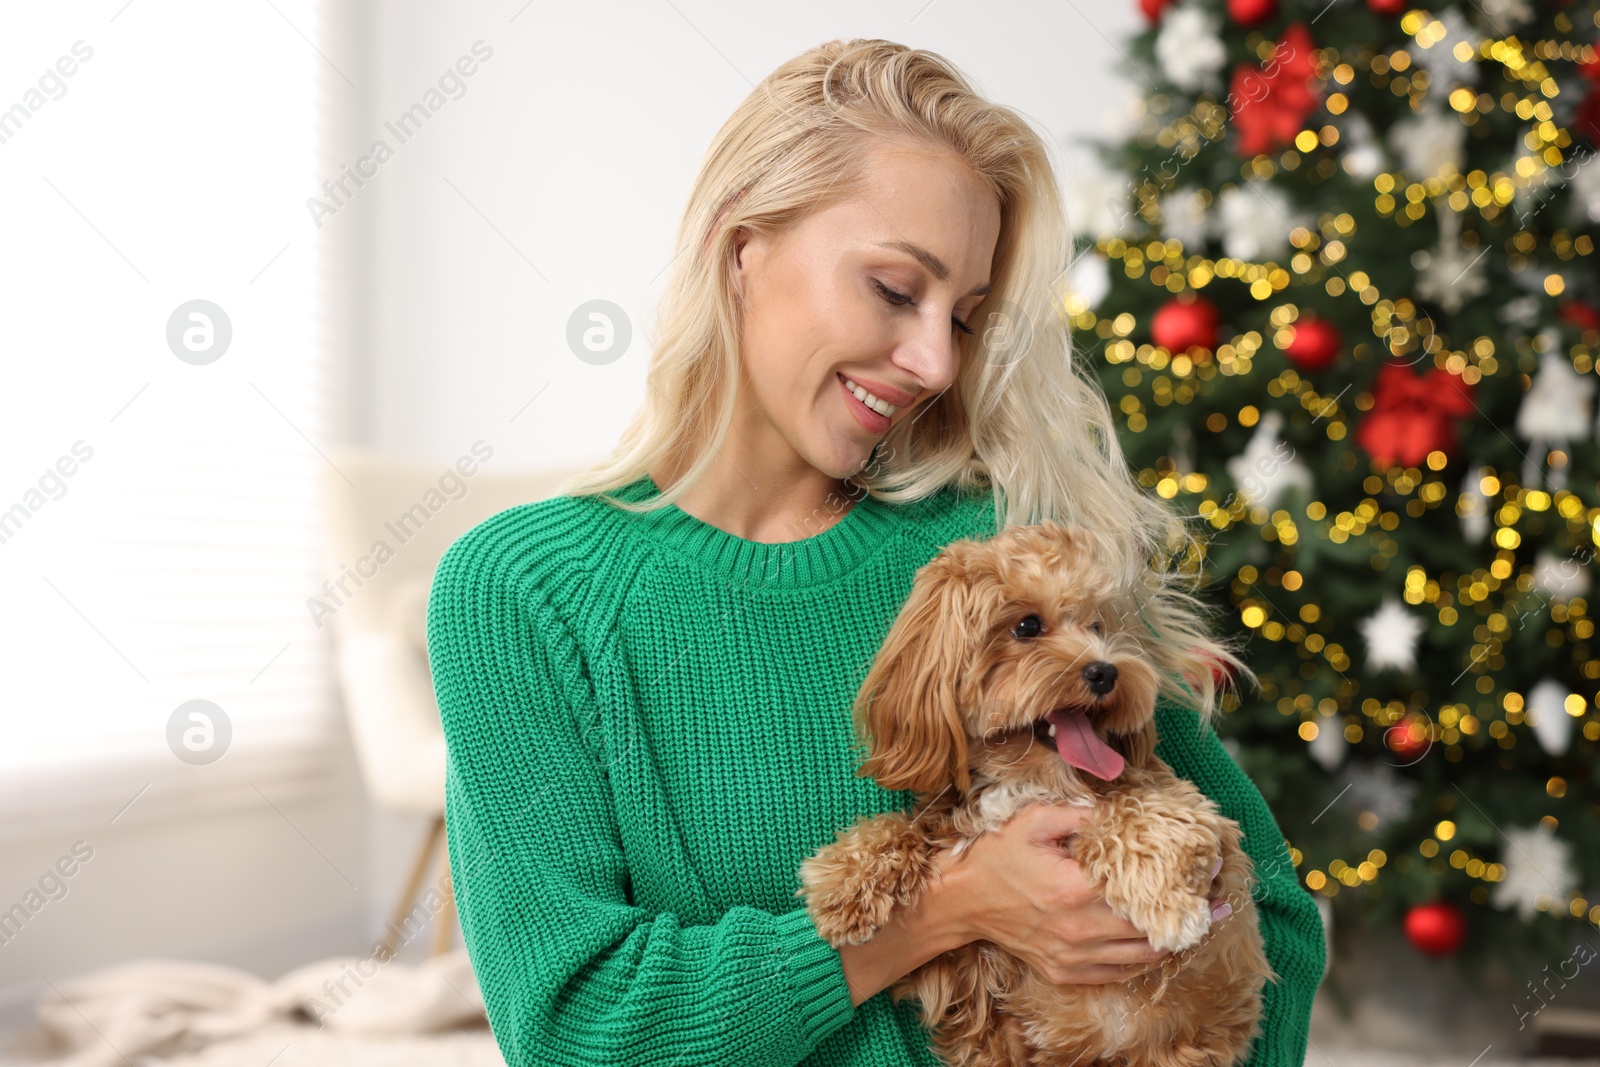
(1183, 216)
(1520, 310)
(1430, 144)
(1363, 156)
(1474, 506)
(1391, 634)
(1450, 274)
(1329, 747)
(1268, 466)
(1097, 199)
(1504, 14)
(1089, 277)
(1583, 179)
(1546, 712)
(1554, 411)
(1539, 871)
(1380, 789)
(1443, 60)
(1556, 405)
(1189, 49)
(1530, 279)
(1560, 577)
(1256, 220)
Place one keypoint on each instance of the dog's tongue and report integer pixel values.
(1080, 746)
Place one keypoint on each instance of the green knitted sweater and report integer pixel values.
(648, 724)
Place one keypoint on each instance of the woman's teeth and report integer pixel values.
(881, 407)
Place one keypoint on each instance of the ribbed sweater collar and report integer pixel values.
(842, 543)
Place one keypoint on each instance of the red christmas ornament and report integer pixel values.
(1586, 120)
(1270, 103)
(1315, 345)
(1220, 674)
(1579, 314)
(1388, 7)
(1437, 929)
(1153, 8)
(1186, 323)
(1408, 739)
(1250, 12)
(1411, 415)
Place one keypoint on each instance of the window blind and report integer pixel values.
(159, 529)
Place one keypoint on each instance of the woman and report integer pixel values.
(646, 682)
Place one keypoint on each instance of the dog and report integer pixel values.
(1017, 672)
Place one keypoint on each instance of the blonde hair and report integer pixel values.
(1032, 427)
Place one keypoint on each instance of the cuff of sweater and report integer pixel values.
(816, 976)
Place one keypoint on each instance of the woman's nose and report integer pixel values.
(935, 360)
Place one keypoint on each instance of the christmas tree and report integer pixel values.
(1340, 288)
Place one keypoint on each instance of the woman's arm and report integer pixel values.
(1291, 925)
(571, 971)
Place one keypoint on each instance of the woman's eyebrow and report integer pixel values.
(934, 264)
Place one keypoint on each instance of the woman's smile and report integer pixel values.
(873, 412)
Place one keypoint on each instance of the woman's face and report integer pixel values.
(843, 296)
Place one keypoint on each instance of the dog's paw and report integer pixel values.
(1182, 927)
(842, 913)
(1173, 929)
(846, 925)
(853, 885)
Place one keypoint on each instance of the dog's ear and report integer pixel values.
(906, 710)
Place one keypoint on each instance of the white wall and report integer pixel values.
(578, 142)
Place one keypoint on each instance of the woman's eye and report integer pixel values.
(897, 299)
(1030, 626)
(902, 300)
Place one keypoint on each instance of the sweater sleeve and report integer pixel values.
(1291, 925)
(571, 971)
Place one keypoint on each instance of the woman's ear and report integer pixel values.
(906, 710)
(722, 213)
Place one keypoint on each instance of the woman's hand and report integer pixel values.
(1020, 889)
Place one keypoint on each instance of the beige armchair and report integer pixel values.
(415, 510)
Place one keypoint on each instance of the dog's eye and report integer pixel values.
(1030, 626)
(1094, 624)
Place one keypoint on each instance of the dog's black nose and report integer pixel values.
(1101, 676)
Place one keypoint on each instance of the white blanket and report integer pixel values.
(166, 1007)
